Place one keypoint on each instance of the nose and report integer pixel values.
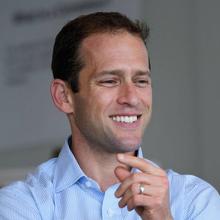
(127, 95)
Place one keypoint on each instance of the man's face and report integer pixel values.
(114, 102)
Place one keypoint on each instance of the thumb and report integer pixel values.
(121, 173)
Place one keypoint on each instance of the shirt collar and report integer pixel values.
(68, 171)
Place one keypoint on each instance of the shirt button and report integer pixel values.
(88, 184)
(110, 212)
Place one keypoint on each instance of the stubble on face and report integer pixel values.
(98, 102)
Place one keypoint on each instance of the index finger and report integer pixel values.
(141, 164)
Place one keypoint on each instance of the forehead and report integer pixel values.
(111, 46)
(99, 40)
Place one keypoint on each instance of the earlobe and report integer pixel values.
(61, 95)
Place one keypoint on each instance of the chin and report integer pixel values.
(123, 145)
(129, 147)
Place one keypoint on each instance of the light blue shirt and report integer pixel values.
(59, 190)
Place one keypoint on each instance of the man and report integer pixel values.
(102, 83)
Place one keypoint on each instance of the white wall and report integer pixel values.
(184, 48)
(208, 68)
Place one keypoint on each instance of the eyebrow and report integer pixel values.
(121, 73)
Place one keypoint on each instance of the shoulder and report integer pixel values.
(189, 184)
(196, 197)
(23, 199)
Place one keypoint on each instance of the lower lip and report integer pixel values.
(132, 125)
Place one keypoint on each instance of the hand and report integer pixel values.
(153, 202)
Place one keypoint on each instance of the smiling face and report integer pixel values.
(114, 102)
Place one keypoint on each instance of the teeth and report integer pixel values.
(126, 119)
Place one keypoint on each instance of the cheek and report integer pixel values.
(147, 97)
(80, 108)
(101, 100)
(150, 98)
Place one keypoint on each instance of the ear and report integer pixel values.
(62, 96)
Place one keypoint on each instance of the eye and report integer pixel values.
(143, 82)
(109, 82)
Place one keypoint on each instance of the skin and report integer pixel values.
(114, 82)
(112, 85)
(153, 203)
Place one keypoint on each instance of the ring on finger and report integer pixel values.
(141, 189)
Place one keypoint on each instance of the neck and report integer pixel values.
(98, 165)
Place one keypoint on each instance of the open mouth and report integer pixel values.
(125, 118)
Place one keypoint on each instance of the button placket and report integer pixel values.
(110, 209)
(110, 212)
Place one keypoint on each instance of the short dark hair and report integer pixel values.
(66, 60)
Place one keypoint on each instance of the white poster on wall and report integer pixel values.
(28, 28)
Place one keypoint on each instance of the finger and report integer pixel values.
(144, 178)
(140, 164)
(135, 189)
(149, 191)
(148, 202)
(140, 200)
(121, 173)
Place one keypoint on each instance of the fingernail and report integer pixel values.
(120, 205)
(120, 156)
(117, 194)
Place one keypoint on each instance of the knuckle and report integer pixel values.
(134, 199)
(158, 202)
(161, 191)
(163, 172)
(134, 188)
(134, 177)
(137, 200)
(165, 181)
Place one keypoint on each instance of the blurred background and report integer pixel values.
(184, 48)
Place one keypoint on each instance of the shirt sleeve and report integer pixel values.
(202, 201)
(14, 204)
